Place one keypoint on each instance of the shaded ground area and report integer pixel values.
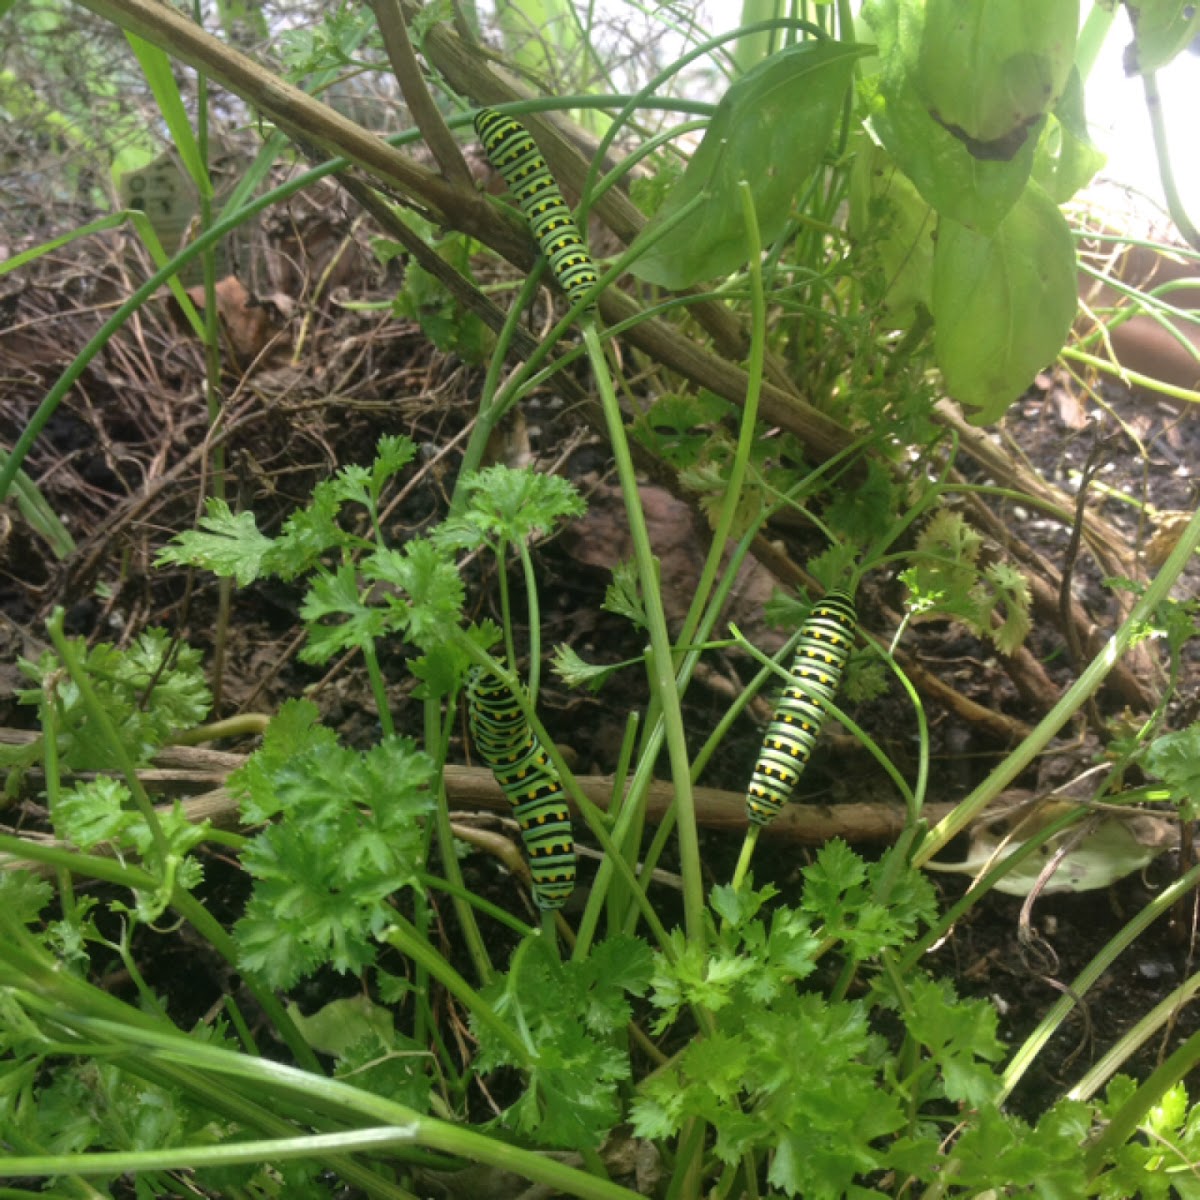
(123, 462)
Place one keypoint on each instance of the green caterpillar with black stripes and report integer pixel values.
(528, 779)
(514, 154)
(826, 638)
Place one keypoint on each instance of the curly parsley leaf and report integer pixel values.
(1175, 759)
(505, 504)
(569, 1011)
(348, 835)
(228, 544)
(150, 691)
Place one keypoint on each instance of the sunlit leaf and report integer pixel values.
(771, 129)
(1162, 28)
(1002, 305)
(989, 70)
(887, 212)
(1066, 160)
(973, 191)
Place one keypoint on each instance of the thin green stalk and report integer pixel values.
(747, 854)
(1166, 173)
(1092, 37)
(1124, 1122)
(476, 947)
(181, 1158)
(1169, 1007)
(491, 409)
(378, 690)
(1033, 1044)
(662, 674)
(749, 417)
(402, 936)
(98, 715)
(1131, 377)
(217, 1094)
(339, 1097)
(534, 610)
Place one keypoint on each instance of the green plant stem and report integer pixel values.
(1166, 173)
(378, 689)
(242, 725)
(534, 609)
(337, 1097)
(1092, 37)
(98, 715)
(88, 1004)
(1132, 377)
(1132, 1039)
(1086, 685)
(749, 417)
(662, 680)
(491, 409)
(179, 1158)
(476, 947)
(1122, 1124)
(1032, 1046)
(747, 853)
(402, 936)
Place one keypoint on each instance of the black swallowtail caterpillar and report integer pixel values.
(821, 653)
(528, 779)
(513, 153)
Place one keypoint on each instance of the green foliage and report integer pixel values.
(362, 1036)
(504, 504)
(678, 428)
(1161, 28)
(963, 106)
(842, 894)
(771, 130)
(571, 1014)
(425, 298)
(946, 580)
(1175, 759)
(793, 1075)
(311, 907)
(100, 812)
(1003, 302)
(150, 691)
(326, 45)
(989, 71)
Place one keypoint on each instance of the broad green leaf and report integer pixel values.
(337, 1026)
(972, 191)
(990, 69)
(1002, 305)
(771, 129)
(888, 213)
(1066, 160)
(157, 68)
(1162, 28)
